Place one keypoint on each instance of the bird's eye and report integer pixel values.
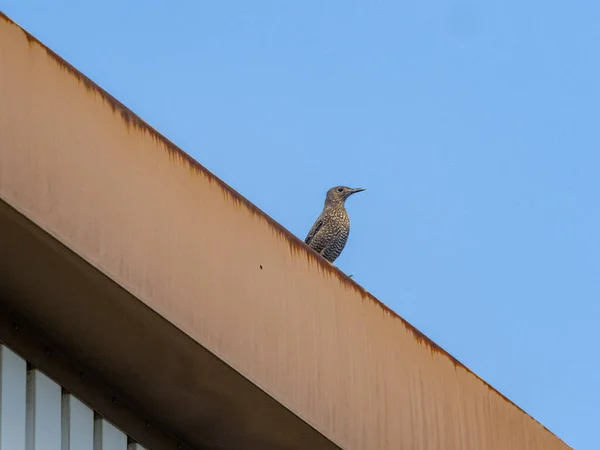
(340, 189)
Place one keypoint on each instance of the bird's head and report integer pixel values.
(339, 194)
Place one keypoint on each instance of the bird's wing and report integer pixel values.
(311, 234)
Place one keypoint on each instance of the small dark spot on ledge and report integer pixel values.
(260, 267)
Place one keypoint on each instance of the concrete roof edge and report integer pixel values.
(133, 120)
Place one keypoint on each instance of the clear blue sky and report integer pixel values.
(472, 124)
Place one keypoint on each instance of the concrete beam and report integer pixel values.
(195, 305)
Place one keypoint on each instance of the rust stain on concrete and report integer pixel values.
(295, 245)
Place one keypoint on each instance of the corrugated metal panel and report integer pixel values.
(43, 412)
(13, 382)
(108, 437)
(77, 424)
(37, 414)
(135, 446)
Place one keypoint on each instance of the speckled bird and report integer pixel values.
(330, 232)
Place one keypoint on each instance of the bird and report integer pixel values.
(329, 234)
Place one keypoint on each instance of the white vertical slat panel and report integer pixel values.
(135, 446)
(43, 412)
(108, 437)
(77, 424)
(13, 388)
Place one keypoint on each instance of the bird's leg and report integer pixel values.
(322, 253)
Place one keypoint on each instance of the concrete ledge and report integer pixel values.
(92, 326)
(196, 306)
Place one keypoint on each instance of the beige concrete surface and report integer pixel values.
(92, 175)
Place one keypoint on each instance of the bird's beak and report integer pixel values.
(354, 191)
